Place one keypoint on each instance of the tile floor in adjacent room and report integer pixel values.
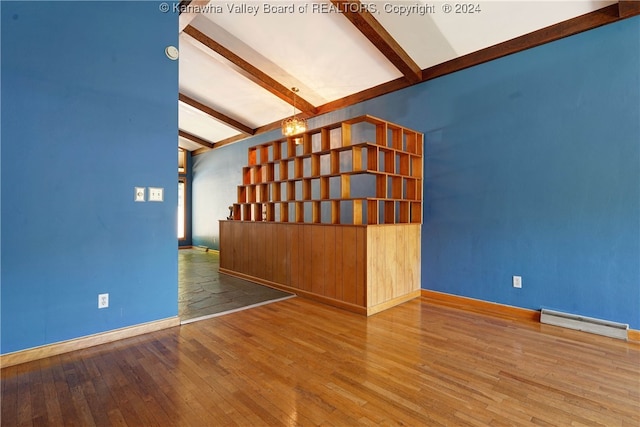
(202, 291)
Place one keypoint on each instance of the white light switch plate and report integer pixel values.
(139, 194)
(156, 194)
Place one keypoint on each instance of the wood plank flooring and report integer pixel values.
(298, 362)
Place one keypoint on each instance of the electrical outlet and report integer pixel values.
(517, 281)
(103, 300)
(156, 194)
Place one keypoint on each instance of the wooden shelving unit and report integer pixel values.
(286, 181)
(333, 214)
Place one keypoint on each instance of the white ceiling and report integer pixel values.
(325, 55)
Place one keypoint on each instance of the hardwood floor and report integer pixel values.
(298, 362)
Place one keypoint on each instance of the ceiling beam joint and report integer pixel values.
(368, 25)
(628, 8)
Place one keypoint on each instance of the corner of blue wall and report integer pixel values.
(89, 112)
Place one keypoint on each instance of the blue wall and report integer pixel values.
(216, 175)
(532, 168)
(89, 104)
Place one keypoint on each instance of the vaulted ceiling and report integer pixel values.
(239, 60)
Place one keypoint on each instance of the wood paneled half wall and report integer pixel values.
(364, 269)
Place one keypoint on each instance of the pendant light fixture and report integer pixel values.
(294, 125)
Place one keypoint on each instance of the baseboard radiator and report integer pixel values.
(583, 323)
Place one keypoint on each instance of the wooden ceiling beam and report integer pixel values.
(195, 139)
(250, 72)
(365, 95)
(200, 151)
(368, 25)
(227, 141)
(240, 127)
(563, 29)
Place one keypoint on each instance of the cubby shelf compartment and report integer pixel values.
(309, 178)
(362, 211)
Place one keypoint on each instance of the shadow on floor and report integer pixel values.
(203, 292)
